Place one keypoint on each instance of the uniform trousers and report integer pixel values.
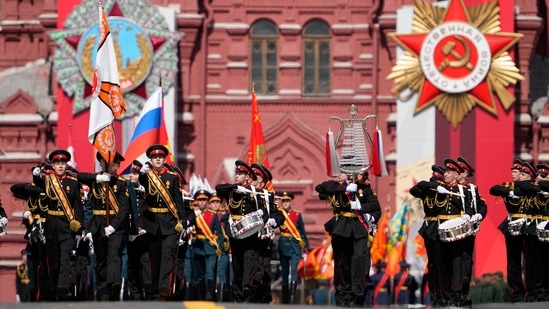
(246, 267)
(351, 259)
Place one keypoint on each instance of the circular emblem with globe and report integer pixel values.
(133, 49)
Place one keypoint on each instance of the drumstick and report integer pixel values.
(449, 192)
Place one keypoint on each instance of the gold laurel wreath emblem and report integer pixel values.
(408, 74)
(132, 72)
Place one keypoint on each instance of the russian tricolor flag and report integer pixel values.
(150, 129)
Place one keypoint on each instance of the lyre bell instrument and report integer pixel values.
(357, 146)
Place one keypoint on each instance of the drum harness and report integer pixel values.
(230, 220)
(462, 196)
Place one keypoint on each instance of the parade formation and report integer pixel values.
(137, 229)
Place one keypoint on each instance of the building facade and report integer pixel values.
(306, 61)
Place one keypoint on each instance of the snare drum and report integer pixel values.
(475, 227)
(515, 226)
(454, 229)
(247, 225)
(267, 232)
(543, 234)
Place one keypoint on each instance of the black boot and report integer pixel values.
(220, 292)
(285, 294)
(187, 291)
(293, 288)
(210, 290)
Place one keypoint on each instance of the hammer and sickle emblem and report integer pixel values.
(461, 60)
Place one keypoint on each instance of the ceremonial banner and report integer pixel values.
(107, 102)
(257, 152)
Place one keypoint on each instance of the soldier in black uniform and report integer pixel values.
(34, 219)
(542, 202)
(139, 272)
(478, 205)
(64, 220)
(356, 209)
(276, 219)
(437, 278)
(514, 242)
(110, 208)
(534, 259)
(453, 203)
(165, 214)
(242, 201)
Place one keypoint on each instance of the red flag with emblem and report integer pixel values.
(257, 152)
(107, 100)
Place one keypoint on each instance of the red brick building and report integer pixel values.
(308, 60)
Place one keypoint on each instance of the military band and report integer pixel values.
(221, 249)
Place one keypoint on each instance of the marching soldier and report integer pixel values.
(292, 244)
(139, 273)
(535, 203)
(165, 214)
(276, 219)
(453, 203)
(206, 247)
(34, 219)
(437, 277)
(542, 202)
(356, 210)
(110, 209)
(513, 233)
(245, 249)
(64, 220)
(223, 261)
(478, 205)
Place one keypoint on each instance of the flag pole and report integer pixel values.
(106, 188)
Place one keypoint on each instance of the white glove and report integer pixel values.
(141, 232)
(109, 230)
(271, 222)
(197, 212)
(141, 188)
(89, 237)
(512, 194)
(145, 169)
(36, 171)
(355, 205)
(351, 187)
(189, 230)
(241, 189)
(4, 221)
(476, 217)
(103, 178)
(132, 237)
(442, 190)
(260, 212)
(370, 218)
(26, 214)
(17, 298)
(465, 217)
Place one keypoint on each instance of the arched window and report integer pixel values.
(264, 56)
(316, 58)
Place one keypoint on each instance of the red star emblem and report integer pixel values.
(456, 58)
